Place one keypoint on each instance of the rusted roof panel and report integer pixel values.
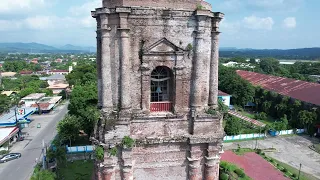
(301, 90)
(220, 93)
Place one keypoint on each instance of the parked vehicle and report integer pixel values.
(9, 157)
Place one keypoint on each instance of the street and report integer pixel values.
(31, 147)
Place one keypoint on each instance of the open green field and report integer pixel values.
(77, 170)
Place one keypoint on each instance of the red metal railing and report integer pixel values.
(165, 106)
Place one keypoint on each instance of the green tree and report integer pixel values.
(5, 103)
(82, 74)
(83, 104)
(233, 125)
(68, 128)
(230, 82)
(269, 65)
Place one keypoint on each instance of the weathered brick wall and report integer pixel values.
(175, 4)
(147, 26)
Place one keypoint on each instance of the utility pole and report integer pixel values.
(44, 156)
(299, 171)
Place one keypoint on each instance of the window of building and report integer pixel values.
(161, 84)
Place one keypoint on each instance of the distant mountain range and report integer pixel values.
(302, 53)
(42, 48)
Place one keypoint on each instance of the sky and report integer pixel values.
(259, 24)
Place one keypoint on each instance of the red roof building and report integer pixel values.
(296, 89)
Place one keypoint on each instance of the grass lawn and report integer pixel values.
(303, 176)
(77, 170)
(242, 151)
(317, 147)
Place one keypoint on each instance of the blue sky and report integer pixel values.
(248, 23)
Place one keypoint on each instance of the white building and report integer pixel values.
(32, 99)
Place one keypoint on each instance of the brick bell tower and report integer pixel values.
(157, 77)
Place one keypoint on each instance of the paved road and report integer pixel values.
(21, 169)
(292, 150)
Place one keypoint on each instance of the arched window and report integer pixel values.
(161, 89)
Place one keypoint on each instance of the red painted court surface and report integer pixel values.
(254, 166)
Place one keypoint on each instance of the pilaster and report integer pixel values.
(125, 70)
(106, 90)
(194, 160)
(199, 80)
(99, 75)
(214, 61)
(145, 88)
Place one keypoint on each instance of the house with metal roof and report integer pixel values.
(224, 97)
(307, 92)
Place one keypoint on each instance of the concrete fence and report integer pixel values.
(80, 149)
(256, 135)
(243, 136)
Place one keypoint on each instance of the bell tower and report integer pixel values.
(157, 81)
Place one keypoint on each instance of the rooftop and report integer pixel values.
(58, 86)
(57, 70)
(296, 89)
(220, 93)
(51, 100)
(56, 77)
(8, 93)
(8, 74)
(34, 96)
(9, 119)
(43, 106)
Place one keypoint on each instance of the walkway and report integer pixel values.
(253, 121)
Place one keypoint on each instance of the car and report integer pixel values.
(9, 157)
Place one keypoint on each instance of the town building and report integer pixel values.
(25, 73)
(157, 64)
(64, 72)
(8, 74)
(32, 99)
(47, 104)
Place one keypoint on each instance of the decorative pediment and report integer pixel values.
(163, 46)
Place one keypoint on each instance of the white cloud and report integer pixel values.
(229, 27)
(258, 23)
(20, 6)
(259, 5)
(85, 8)
(289, 22)
(43, 23)
(279, 5)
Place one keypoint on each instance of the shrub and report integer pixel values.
(294, 175)
(224, 176)
(99, 153)
(263, 153)
(271, 160)
(285, 170)
(239, 172)
(259, 151)
(223, 165)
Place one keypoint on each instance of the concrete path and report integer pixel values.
(255, 122)
(31, 147)
(291, 150)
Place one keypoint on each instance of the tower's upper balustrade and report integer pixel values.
(173, 4)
